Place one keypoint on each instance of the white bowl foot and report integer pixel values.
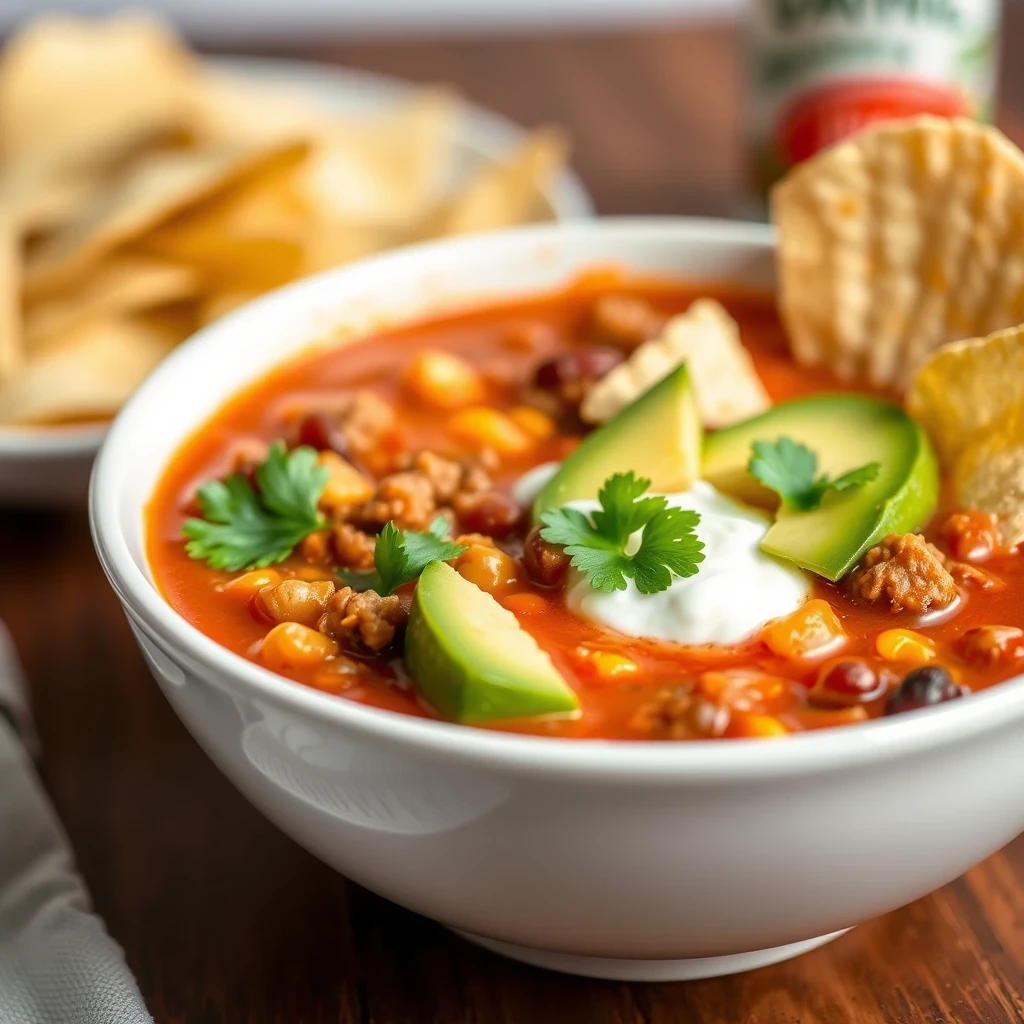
(651, 970)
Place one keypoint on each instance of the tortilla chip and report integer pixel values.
(122, 284)
(225, 109)
(387, 171)
(512, 192)
(12, 350)
(150, 193)
(902, 239)
(219, 304)
(78, 83)
(249, 238)
(88, 376)
(707, 339)
(989, 475)
(966, 387)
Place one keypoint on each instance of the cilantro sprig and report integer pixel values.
(243, 528)
(399, 556)
(600, 545)
(790, 469)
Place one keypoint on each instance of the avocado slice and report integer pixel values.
(472, 660)
(845, 431)
(657, 436)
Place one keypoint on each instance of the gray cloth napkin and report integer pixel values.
(58, 965)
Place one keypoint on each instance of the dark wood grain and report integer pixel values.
(225, 919)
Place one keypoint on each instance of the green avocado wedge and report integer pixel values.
(845, 431)
(472, 660)
(658, 436)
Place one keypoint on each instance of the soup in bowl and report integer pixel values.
(532, 582)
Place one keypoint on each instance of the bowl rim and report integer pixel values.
(622, 761)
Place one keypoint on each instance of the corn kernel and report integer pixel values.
(812, 631)
(484, 427)
(749, 725)
(490, 568)
(606, 665)
(251, 583)
(442, 380)
(905, 645)
(525, 603)
(290, 645)
(536, 423)
(345, 485)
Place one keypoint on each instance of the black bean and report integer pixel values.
(921, 688)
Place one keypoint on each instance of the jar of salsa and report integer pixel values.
(820, 70)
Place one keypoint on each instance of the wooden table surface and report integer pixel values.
(222, 917)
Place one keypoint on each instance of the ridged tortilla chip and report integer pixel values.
(966, 387)
(900, 240)
(989, 475)
(707, 339)
(69, 84)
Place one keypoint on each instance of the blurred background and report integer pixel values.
(263, 20)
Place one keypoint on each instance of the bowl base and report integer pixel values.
(650, 970)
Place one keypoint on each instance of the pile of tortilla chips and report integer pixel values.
(901, 261)
(143, 194)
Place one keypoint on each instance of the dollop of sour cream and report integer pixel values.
(737, 590)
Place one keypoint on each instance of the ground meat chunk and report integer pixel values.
(364, 620)
(906, 572)
(444, 475)
(965, 574)
(970, 536)
(625, 321)
(365, 420)
(315, 547)
(680, 714)
(405, 498)
(352, 548)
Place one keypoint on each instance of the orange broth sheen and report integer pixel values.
(269, 408)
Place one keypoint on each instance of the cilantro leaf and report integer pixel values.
(790, 469)
(669, 546)
(243, 529)
(622, 510)
(599, 546)
(401, 555)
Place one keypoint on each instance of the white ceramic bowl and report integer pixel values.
(51, 465)
(624, 860)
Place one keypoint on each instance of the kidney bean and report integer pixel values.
(546, 563)
(487, 512)
(577, 366)
(323, 432)
(992, 646)
(845, 683)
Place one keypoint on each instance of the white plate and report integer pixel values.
(51, 465)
